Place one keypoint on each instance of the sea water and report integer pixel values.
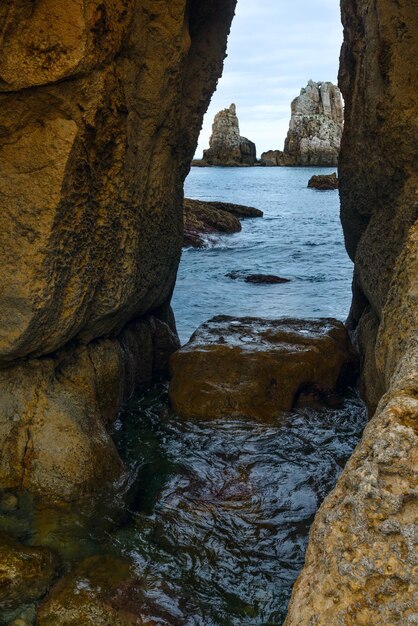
(299, 238)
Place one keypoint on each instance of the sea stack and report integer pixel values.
(227, 147)
(315, 128)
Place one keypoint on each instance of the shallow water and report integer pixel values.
(300, 238)
(220, 526)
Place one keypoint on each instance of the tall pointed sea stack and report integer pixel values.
(227, 147)
(315, 128)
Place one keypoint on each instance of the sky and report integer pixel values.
(274, 48)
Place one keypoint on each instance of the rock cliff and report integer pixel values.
(101, 106)
(360, 561)
(315, 128)
(227, 147)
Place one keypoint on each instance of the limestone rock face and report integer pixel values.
(256, 368)
(101, 103)
(360, 561)
(315, 129)
(227, 147)
(55, 412)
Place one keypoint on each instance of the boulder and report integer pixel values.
(25, 572)
(256, 368)
(211, 218)
(227, 147)
(323, 182)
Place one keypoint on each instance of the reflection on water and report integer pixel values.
(221, 515)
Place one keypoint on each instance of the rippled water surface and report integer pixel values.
(221, 523)
(300, 238)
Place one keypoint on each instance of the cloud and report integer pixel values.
(274, 48)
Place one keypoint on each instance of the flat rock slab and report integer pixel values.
(257, 368)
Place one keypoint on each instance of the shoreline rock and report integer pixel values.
(212, 218)
(257, 368)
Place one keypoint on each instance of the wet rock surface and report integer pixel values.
(212, 218)
(227, 147)
(324, 182)
(257, 368)
(262, 279)
(87, 595)
(25, 572)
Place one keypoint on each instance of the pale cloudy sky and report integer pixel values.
(274, 48)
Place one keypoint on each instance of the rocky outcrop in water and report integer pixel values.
(212, 218)
(101, 106)
(315, 128)
(234, 367)
(227, 147)
(360, 561)
(323, 182)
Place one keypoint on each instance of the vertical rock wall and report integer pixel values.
(101, 104)
(361, 560)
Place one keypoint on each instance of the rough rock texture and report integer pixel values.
(361, 561)
(25, 573)
(324, 182)
(55, 412)
(315, 128)
(85, 596)
(227, 147)
(256, 368)
(208, 218)
(101, 103)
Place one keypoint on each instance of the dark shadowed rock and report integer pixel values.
(324, 182)
(255, 367)
(265, 279)
(25, 572)
(212, 218)
(268, 279)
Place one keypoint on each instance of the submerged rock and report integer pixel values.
(227, 147)
(262, 279)
(25, 572)
(84, 596)
(315, 128)
(255, 367)
(207, 218)
(265, 279)
(324, 182)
